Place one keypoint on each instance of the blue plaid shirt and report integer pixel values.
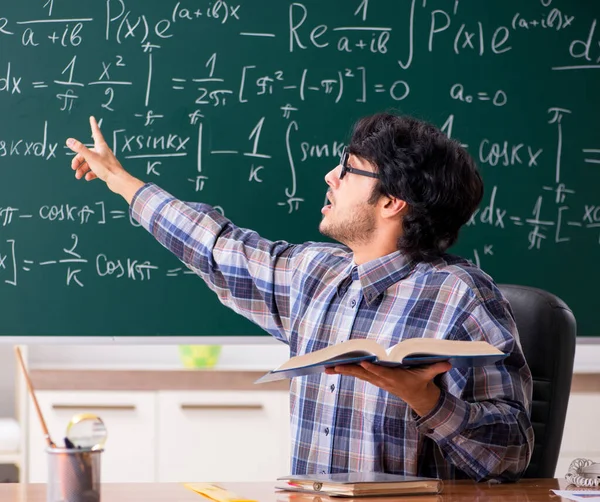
(312, 295)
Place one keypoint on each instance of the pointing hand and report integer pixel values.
(100, 162)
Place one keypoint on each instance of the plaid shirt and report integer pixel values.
(312, 295)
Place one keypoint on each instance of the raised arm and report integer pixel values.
(250, 274)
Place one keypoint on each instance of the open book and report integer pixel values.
(360, 484)
(407, 353)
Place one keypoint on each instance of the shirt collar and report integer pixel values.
(378, 275)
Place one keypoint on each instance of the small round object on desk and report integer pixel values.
(86, 430)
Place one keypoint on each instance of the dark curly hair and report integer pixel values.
(419, 164)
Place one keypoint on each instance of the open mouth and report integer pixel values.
(327, 203)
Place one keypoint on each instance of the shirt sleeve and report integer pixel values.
(482, 420)
(251, 275)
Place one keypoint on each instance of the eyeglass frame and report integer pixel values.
(347, 169)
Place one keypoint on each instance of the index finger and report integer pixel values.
(96, 133)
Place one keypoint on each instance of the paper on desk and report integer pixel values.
(579, 495)
(216, 493)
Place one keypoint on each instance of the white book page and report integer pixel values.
(333, 351)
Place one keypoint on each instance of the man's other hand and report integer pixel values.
(414, 386)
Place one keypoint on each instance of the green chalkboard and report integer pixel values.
(245, 105)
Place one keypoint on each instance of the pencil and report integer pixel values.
(35, 401)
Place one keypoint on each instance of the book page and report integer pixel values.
(439, 347)
(334, 351)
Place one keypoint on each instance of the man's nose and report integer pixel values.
(332, 178)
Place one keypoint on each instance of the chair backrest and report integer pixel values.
(547, 330)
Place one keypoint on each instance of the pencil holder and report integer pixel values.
(73, 475)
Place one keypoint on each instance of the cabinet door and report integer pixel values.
(581, 435)
(223, 436)
(130, 419)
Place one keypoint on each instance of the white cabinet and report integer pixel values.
(130, 419)
(223, 436)
(157, 436)
(581, 435)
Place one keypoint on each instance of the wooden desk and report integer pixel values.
(531, 490)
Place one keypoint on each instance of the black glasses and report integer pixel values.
(347, 169)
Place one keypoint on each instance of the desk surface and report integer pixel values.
(530, 490)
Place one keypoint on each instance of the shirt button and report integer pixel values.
(326, 431)
(353, 303)
(332, 387)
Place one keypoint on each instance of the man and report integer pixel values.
(397, 201)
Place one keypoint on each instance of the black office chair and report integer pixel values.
(547, 330)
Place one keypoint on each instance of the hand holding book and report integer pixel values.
(414, 385)
(405, 354)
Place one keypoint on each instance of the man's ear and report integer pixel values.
(392, 207)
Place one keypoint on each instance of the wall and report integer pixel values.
(7, 381)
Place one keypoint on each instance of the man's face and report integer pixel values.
(349, 217)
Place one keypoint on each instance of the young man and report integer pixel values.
(398, 198)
